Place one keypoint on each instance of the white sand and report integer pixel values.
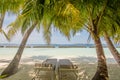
(4, 62)
(3, 65)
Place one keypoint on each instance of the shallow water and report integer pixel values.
(54, 52)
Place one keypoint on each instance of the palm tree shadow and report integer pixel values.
(40, 58)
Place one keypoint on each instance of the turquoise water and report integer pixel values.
(54, 52)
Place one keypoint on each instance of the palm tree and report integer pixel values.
(24, 20)
(1, 20)
(91, 16)
(112, 48)
(11, 7)
(97, 15)
(13, 66)
(102, 63)
(92, 13)
(33, 14)
(1, 24)
(102, 73)
(113, 28)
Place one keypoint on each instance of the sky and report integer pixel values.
(37, 38)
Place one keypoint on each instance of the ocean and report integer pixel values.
(8, 53)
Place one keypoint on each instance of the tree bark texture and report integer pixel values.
(102, 72)
(12, 68)
(112, 48)
(1, 20)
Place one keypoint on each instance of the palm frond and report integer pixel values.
(12, 6)
(3, 32)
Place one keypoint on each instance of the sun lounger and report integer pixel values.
(46, 70)
(51, 69)
(67, 71)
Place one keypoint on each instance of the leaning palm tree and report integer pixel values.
(113, 27)
(112, 48)
(33, 14)
(24, 23)
(13, 66)
(10, 7)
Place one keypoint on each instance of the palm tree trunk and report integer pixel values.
(112, 49)
(13, 66)
(102, 72)
(1, 20)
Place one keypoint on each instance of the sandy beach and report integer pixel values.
(86, 62)
(87, 65)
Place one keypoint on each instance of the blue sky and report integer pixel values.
(37, 38)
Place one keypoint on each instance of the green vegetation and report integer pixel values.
(2, 76)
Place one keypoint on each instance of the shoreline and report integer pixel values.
(8, 53)
(74, 45)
